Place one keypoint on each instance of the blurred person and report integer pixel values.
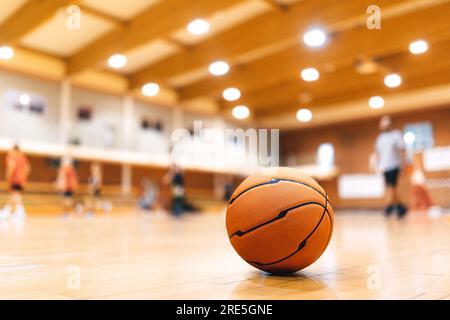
(17, 171)
(149, 195)
(68, 184)
(164, 198)
(95, 183)
(420, 198)
(390, 156)
(175, 178)
(228, 188)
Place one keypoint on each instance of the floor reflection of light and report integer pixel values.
(13, 224)
(361, 237)
(4, 225)
(18, 225)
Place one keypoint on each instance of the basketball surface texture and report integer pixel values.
(281, 222)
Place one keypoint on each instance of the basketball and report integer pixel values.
(279, 223)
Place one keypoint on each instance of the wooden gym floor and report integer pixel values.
(149, 257)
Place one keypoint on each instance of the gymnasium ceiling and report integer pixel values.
(259, 39)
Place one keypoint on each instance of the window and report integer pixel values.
(419, 136)
(325, 155)
(22, 101)
(84, 113)
(151, 125)
(145, 124)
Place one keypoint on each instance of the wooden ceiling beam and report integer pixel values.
(426, 98)
(29, 17)
(345, 78)
(277, 5)
(431, 23)
(118, 23)
(158, 21)
(420, 72)
(262, 33)
(417, 83)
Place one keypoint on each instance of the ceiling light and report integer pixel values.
(418, 47)
(241, 112)
(315, 38)
(376, 102)
(117, 61)
(24, 99)
(6, 53)
(310, 74)
(392, 80)
(219, 68)
(231, 94)
(150, 89)
(304, 115)
(198, 26)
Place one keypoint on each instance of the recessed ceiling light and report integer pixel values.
(117, 61)
(310, 74)
(315, 38)
(392, 80)
(219, 68)
(231, 94)
(150, 89)
(6, 53)
(418, 47)
(241, 112)
(198, 26)
(24, 99)
(304, 115)
(376, 102)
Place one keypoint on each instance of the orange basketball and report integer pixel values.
(279, 223)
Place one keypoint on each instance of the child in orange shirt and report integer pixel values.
(17, 171)
(420, 197)
(67, 183)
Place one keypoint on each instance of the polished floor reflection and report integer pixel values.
(132, 256)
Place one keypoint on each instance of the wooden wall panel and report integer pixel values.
(150, 173)
(354, 142)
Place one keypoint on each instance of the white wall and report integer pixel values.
(151, 140)
(190, 117)
(25, 125)
(104, 129)
(115, 124)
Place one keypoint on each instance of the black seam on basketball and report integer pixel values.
(331, 229)
(279, 216)
(300, 246)
(329, 234)
(273, 181)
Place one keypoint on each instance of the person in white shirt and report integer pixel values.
(390, 154)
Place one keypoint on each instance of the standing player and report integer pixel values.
(67, 183)
(228, 188)
(94, 188)
(17, 171)
(390, 154)
(176, 179)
